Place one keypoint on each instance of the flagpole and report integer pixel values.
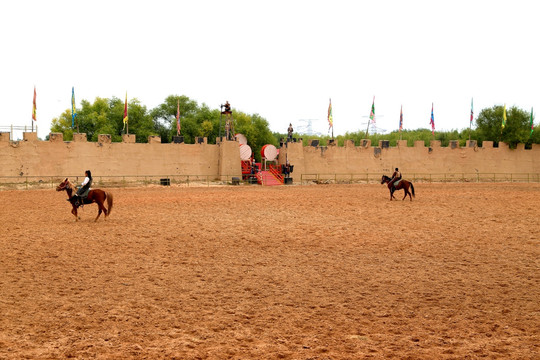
(532, 124)
(470, 122)
(367, 130)
(503, 122)
(332, 121)
(34, 109)
(432, 123)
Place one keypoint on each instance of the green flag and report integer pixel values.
(532, 124)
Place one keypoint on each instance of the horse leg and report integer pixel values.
(74, 212)
(101, 209)
(98, 214)
(405, 190)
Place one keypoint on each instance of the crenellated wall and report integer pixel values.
(56, 157)
(351, 159)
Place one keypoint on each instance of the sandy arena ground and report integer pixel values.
(296, 272)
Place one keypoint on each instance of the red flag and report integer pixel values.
(178, 118)
(472, 112)
(34, 106)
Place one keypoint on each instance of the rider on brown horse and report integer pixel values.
(396, 176)
(82, 193)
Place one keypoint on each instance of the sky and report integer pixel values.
(282, 60)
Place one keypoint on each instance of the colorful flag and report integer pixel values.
(330, 118)
(504, 117)
(401, 119)
(178, 118)
(73, 111)
(532, 124)
(432, 121)
(125, 112)
(472, 112)
(372, 113)
(34, 107)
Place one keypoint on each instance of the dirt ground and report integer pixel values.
(296, 272)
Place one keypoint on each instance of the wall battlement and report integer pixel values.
(31, 157)
(364, 158)
(56, 157)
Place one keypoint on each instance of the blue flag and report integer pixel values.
(73, 111)
(432, 121)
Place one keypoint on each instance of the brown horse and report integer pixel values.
(402, 184)
(97, 196)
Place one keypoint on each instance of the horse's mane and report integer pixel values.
(70, 185)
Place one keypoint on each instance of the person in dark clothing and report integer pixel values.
(83, 191)
(395, 177)
(227, 108)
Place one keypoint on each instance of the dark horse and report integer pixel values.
(403, 184)
(97, 196)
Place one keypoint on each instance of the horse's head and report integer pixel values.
(385, 179)
(64, 185)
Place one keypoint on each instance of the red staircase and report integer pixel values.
(268, 178)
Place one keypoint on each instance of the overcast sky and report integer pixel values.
(280, 59)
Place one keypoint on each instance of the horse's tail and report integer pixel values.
(109, 202)
(412, 189)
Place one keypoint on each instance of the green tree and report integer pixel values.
(106, 116)
(489, 125)
(164, 117)
(256, 130)
(62, 124)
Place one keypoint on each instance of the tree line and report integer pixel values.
(105, 116)
(519, 129)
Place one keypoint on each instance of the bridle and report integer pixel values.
(66, 184)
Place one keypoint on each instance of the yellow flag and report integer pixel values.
(125, 111)
(504, 117)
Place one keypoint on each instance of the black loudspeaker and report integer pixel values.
(385, 144)
(314, 142)
(165, 182)
(235, 181)
(288, 181)
(454, 144)
(200, 140)
(178, 139)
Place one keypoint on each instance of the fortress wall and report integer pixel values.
(59, 158)
(417, 159)
(32, 157)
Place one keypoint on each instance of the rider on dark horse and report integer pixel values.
(82, 193)
(396, 176)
